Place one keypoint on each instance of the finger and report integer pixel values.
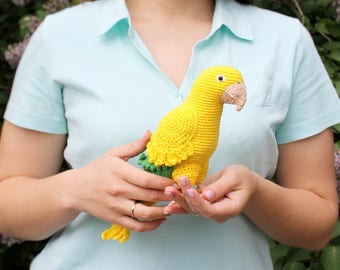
(204, 208)
(197, 203)
(219, 211)
(148, 195)
(178, 205)
(127, 190)
(131, 149)
(139, 226)
(227, 207)
(174, 208)
(219, 186)
(139, 177)
(178, 196)
(143, 212)
(189, 193)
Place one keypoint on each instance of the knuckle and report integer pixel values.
(138, 227)
(115, 191)
(155, 196)
(145, 180)
(146, 216)
(207, 215)
(220, 220)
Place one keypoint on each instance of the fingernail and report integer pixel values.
(191, 193)
(175, 186)
(209, 194)
(145, 135)
(182, 180)
(168, 193)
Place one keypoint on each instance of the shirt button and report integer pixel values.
(176, 94)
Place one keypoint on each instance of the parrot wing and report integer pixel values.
(171, 143)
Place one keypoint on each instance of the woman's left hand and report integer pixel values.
(222, 196)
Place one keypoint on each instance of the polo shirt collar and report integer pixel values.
(232, 15)
(113, 11)
(227, 12)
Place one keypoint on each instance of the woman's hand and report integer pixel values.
(222, 196)
(108, 187)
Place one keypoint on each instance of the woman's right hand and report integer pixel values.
(108, 187)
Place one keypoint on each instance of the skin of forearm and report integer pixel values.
(34, 209)
(294, 217)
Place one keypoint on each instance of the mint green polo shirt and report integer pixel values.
(87, 73)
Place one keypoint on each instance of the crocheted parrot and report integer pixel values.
(188, 135)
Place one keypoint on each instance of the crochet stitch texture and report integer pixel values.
(187, 136)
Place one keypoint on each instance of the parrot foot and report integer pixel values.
(116, 232)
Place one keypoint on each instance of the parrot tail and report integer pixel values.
(148, 166)
(116, 232)
(122, 234)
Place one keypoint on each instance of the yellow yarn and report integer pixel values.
(116, 232)
(187, 136)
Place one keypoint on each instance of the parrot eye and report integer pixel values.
(220, 78)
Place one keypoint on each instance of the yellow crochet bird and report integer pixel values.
(188, 135)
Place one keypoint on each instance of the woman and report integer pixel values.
(96, 76)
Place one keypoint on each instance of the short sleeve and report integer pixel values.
(36, 100)
(314, 103)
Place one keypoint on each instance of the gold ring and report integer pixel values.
(133, 207)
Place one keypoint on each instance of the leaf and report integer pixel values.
(278, 265)
(334, 54)
(333, 28)
(271, 243)
(294, 266)
(337, 129)
(335, 241)
(279, 251)
(316, 266)
(297, 254)
(328, 27)
(336, 231)
(331, 45)
(321, 28)
(324, 3)
(330, 257)
(337, 86)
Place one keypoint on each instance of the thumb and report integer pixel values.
(131, 149)
(215, 188)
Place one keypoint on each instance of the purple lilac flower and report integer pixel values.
(15, 51)
(52, 6)
(21, 2)
(9, 240)
(336, 5)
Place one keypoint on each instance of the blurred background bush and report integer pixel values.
(20, 18)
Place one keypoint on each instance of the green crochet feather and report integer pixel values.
(163, 170)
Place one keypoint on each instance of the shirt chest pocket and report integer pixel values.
(258, 88)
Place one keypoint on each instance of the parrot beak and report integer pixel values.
(235, 94)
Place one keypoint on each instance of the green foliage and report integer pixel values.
(291, 258)
(145, 163)
(9, 16)
(19, 256)
(319, 16)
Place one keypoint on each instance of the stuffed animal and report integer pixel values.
(188, 135)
